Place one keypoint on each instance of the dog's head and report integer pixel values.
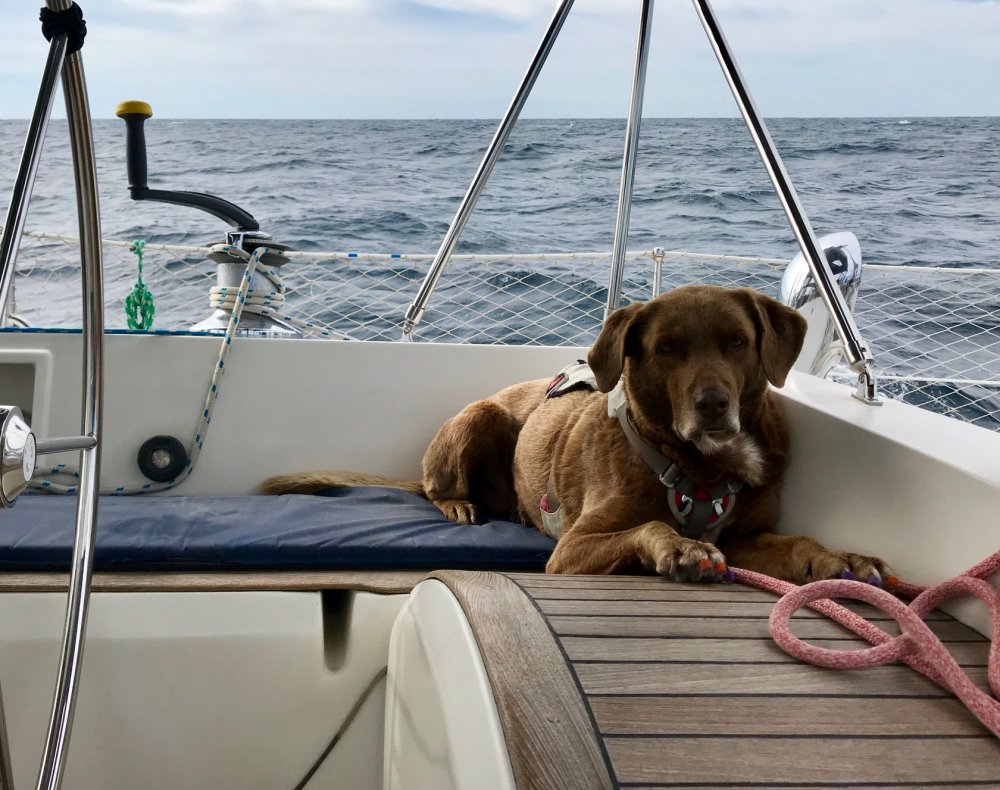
(698, 358)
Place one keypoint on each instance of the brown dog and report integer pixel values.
(689, 372)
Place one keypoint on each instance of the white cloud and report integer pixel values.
(518, 9)
(401, 58)
(200, 8)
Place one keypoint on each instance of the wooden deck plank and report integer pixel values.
(714, 761)
(743, 679)
(687, 689)
(581, 648)
(549, 599)
(935, 785)
(547, 724)
(545, 592)
(726, 628)
(631, 608)
(385, 582)
(744, 716)
(648, 581)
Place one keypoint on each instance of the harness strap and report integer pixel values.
(576, 376)
(700, 511)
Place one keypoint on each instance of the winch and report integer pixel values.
(246, 234)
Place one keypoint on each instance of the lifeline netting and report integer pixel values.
(935, 332)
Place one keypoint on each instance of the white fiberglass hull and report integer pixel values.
(239, 689)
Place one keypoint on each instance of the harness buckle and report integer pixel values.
(671, 476)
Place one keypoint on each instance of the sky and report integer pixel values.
(465, 58)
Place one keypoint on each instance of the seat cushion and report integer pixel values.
(340, 529)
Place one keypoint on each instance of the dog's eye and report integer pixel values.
(737, 342)
(666, 348)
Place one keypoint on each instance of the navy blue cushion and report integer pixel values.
(343, 529)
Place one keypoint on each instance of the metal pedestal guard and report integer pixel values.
(858, 356)
(416, 310)
(855, 349)
(85, 174)
(628, 159)
(6, 770)
(25, 178)
(82, 143)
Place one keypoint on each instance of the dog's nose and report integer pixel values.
(712, 402)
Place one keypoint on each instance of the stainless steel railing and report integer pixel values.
(482, 176)
(855, 349)
(24, 181)
(629, 158)
(85, 176)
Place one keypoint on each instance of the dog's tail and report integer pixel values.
(311, 482)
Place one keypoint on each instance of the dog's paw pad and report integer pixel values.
(844, 565)
(460, 511)
(694, 561)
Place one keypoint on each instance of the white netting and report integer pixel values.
(936, 336)
(935, 333)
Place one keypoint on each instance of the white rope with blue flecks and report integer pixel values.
(268, 303)
(239, 301)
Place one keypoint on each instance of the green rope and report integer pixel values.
(139, 306)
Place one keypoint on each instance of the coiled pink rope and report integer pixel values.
(916, 645)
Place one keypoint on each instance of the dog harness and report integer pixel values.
(702, 512)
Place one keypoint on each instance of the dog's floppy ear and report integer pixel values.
(780, 333)
(607, 357)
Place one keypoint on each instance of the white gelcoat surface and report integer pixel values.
(441, 724)
(285, 404)
(199, 690)
(919, 489)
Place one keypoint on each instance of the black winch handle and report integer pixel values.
(135, 113)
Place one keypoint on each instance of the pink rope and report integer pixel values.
(916, 645)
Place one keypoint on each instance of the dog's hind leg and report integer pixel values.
(467, 467)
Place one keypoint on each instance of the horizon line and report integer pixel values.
(530, 118)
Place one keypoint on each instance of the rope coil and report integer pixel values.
(917, 645)
(267, 301)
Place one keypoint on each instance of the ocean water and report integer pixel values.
(918, 191)
(923, 191)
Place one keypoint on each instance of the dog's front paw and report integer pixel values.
(683, 559)
(844, 565)
(461, 511)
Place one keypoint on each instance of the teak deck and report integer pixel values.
(614, 681)
(680, 685)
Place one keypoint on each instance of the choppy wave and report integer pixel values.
(915, 191)
(921, 191)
